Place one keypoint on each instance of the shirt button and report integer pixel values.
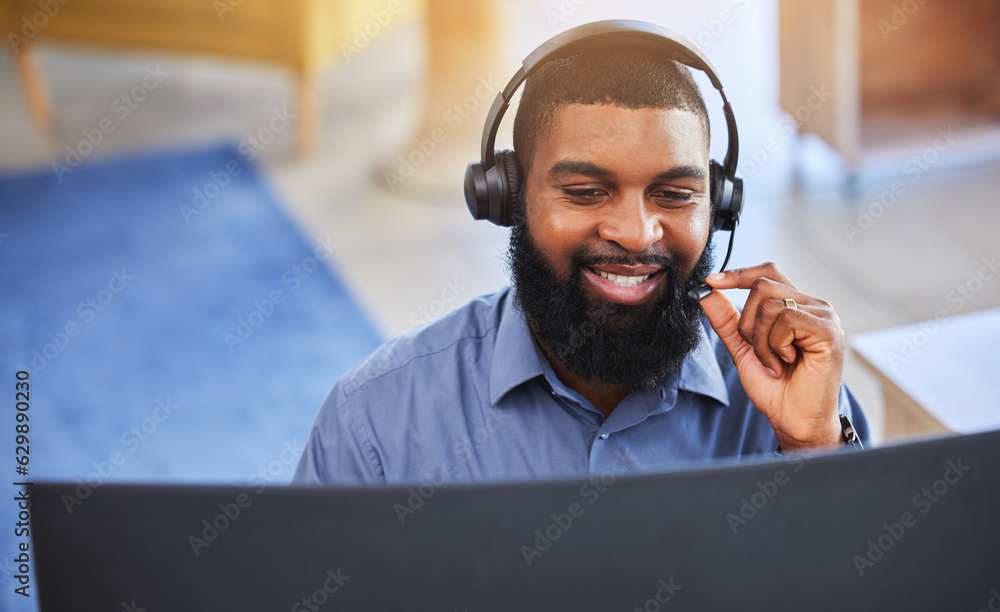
(604, 436)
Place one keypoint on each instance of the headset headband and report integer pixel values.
(616, 33)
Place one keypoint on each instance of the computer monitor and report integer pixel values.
(916, 526)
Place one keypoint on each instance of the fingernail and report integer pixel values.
(771, 372)
(715, 277)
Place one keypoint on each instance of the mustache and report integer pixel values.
(660, 261)
(675, 282)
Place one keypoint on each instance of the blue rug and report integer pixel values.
(175, 324)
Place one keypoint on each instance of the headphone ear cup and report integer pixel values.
(510, 181)
(715, 190)
(727, 197)
(477, 196)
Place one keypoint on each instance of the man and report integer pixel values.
(595, 360)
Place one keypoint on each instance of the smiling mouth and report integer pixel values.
(627, 289)
(620, 280)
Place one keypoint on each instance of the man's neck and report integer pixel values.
(603, 398)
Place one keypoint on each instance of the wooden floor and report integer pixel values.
(405, 244)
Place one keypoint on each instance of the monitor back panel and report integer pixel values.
(909, 527)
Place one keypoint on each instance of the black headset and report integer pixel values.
(492, 183)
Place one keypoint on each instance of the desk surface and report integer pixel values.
(949, 366)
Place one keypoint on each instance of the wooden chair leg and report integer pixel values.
(306, 94)
(36, 94)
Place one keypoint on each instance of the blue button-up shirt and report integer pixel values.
(470, 397)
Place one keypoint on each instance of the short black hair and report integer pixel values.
(627, 77)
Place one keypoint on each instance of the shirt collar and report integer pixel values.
(516, 359)
(700, 372)
(515, 356)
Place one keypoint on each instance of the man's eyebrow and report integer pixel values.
(569, 166)
(682, 172)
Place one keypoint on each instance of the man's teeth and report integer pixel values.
(623, 281)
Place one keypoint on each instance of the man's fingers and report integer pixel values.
(743, 278)
(763, 301)
(761, 326)
(768, 327)
(724, 318)
(801, 329)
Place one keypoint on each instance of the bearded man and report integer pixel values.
(594, 359)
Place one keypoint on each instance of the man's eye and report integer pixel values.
(584, 194)
(675, 196)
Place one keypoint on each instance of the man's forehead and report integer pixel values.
(612, 119)
(593, 131)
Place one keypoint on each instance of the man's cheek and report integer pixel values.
(691, 247)
(698, 227)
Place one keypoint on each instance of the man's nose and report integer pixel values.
(631, 224)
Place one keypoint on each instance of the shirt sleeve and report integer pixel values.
(338, 451)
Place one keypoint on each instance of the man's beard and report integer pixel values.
(600, 341)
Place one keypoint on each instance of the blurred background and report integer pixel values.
(210, 209)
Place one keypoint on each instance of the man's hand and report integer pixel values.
(789, 360)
